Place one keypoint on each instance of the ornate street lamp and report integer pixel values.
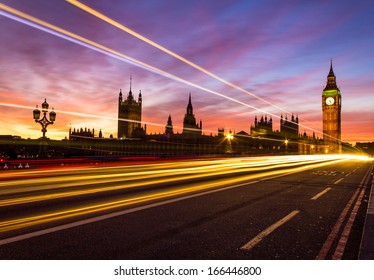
(44, 122)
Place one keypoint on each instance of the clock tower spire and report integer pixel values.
(331, 110)
(331, 79)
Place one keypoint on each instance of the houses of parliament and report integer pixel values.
(133, 139)
(261, 137)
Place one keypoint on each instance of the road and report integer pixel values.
(288, 207)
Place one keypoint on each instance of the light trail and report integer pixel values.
(171, 53)
(159, 194)
(127, 181)
(18, 179)
(29, 20)
(86, 115)
(248, 164)
(154, 171)
(129, 120)
(72, 37)
(99, 116)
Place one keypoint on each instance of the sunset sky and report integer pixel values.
(279, 51)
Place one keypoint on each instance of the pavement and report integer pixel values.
(367, 243)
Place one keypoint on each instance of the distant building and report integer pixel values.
(9, 137)
(130, 116)
(366, 147)
(81, 134)
(262, 127)
(169, 128)
(189, 123)
(289, 128)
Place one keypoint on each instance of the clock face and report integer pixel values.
(330, 101)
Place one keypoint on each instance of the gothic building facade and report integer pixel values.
(289, 128)
(130, 116)
(190, 126)
(83, 134)
(331, 111)
(262, 126)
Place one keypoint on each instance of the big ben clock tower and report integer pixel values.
(331, 108)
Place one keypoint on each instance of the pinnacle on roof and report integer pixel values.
(331, 73)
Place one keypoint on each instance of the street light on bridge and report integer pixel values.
(229, 137)
(44, 122)
(286, 144)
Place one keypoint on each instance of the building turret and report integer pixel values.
(262, 127)
(120, 96)
(140, 99)
(331, 79)
(130, 116)
(289, 129)
(169, 128)
(130, 97)
(189, 123)
(189, 106)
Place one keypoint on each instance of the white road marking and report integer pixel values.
(318, 195)
(330, 239)
(112, 215)
(338, 181)
(338, 254)
(124, 212)
(257, 239)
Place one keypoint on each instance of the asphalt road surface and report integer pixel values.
(291, 207)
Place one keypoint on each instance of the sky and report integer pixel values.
(264, 57)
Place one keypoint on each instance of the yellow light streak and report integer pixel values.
(175, 55)
(205, 169)
(83, 114)
(114, 53)
(141, 179)
(171, 53)
(62, 33)
(98, 116)
(20, 223)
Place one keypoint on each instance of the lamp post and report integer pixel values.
(44, 122)
(229, 137)
(286, 144)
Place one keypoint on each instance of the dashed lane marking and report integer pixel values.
(338, 254)
(115, 214)
(334, 232)
(257, 239)
(330, 239)
(338, 181)
(318, 195)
